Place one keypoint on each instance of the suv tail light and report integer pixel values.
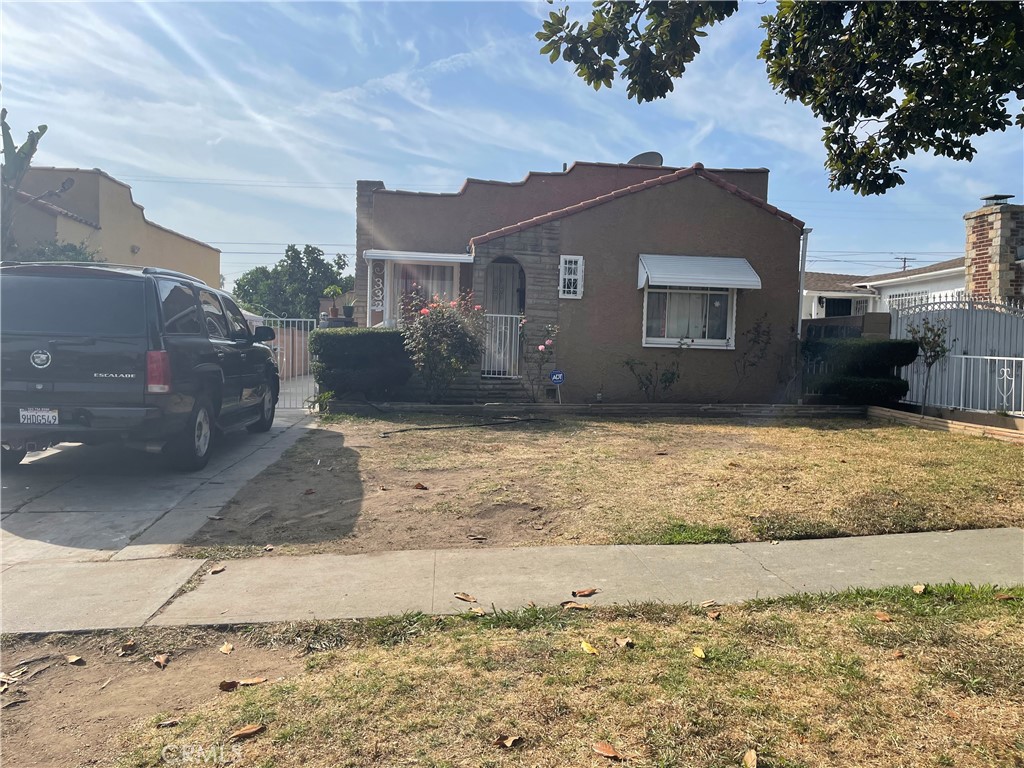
(158, 372)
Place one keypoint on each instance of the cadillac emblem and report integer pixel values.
(40, 358)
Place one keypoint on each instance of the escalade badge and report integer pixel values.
(40, 358)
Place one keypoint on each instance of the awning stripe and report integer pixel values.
(418, 256)
(696, 271)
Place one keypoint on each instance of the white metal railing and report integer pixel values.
(971, 383)
(291, 350)
(501, 358)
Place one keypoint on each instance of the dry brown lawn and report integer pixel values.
(346, 488)
(803, 681)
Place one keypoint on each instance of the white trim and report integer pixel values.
(914, 278)
(696, 271)
(729, 342)
(563, 260)
(419, 257)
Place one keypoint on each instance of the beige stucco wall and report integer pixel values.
(691, 217)
(123, 225)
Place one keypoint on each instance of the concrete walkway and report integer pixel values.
(56, 596)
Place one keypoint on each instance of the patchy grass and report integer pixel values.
(346, 488)
(804, 680)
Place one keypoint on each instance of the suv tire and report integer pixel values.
(191, 450)
(11, 457)
(268, 408)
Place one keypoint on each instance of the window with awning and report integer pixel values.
(691, 300)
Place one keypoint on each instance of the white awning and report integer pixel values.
(419, 257)
(696, 272)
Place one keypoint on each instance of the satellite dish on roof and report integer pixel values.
(647, 158)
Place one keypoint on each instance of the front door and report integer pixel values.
(504, 302)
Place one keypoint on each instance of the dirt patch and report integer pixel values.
(73, 715)
(346, 488)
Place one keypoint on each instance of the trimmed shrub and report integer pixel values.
(367, 361)
(865, 390)
(874, 358)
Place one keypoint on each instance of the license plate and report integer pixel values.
(38, 415)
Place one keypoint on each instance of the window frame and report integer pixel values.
(729, 342)
(563, 262)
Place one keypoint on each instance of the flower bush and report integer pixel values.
(444, 339)
(538, 353)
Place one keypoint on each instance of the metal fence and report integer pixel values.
(985, 366)
(501, 359)
(291, 349)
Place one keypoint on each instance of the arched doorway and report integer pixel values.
(505, 303)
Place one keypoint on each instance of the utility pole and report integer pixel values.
(905, 259)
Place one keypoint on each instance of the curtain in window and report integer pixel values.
(680, 315)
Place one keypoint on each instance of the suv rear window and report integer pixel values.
(90, 306)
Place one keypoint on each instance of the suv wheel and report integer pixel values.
(11, 457)
(191, 450)
(267, 410)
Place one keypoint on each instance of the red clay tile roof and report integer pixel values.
(696, 170)
(53, 210)
(948, 264)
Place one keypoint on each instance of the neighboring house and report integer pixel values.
(655, 264)
(98, 210)
(992, 269)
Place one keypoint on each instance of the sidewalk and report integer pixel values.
(49, 597)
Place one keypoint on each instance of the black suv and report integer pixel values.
(100, 352)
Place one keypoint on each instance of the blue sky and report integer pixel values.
(247, 124)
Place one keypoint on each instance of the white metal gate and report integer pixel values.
(501, 347)
(291, 349)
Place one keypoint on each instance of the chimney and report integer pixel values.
(994, 254)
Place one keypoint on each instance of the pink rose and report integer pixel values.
(549, 342)
(424, 311)
(453, 304)
(540, 348)
(477, 307)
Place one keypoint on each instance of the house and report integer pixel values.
(659, 265)
(991, 269)
(75, 206)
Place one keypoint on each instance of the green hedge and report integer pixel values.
(873, 358)
(367, 361)
(865, 390)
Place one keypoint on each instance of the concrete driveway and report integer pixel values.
(79, 503)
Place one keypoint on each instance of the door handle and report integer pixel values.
(220, 355)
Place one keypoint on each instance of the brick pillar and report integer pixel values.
(995, 239)
(364, 241)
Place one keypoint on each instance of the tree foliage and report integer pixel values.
(934, 343)
(444, 339)
(886, 79)
(293, 286)
(15, 165)
(58, 250)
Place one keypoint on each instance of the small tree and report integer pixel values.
(57, 250)
(444, 339)
(15, 166)
(651, 378)
(332, 292)
(538, 352)
(932, 340)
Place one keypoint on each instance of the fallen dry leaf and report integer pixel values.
(585, 592)
(268, 548)
(624, 642)
(508, 742)
(465, 597)
(605, 749)
(709, 604)
(421, 487)
(228, 685)
(214, 517)
(530, 604)
(126, 648)
(226, 648)
(661, 453)
(168, 724)
(750, 759)
(1005, 596)
(218, 569)
(161, 659)
(883, 616)
(476, 537)
(3, 686)
(898, 654)
(78, 660)
(699, 652)
(588, 648)
(246, 731)
(106, 683)
(308, 492)
(252, 681)
(713, 615)
(919, 589)
(572, 605)
(478, 611)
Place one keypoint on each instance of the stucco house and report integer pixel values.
(650, 263)
(991, 269)
(99, 211)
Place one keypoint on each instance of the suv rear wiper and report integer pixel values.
(87, 341)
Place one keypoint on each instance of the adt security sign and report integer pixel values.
(557, 377)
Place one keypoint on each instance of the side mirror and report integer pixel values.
(264, 333)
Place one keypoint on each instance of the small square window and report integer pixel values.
(570, 277)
